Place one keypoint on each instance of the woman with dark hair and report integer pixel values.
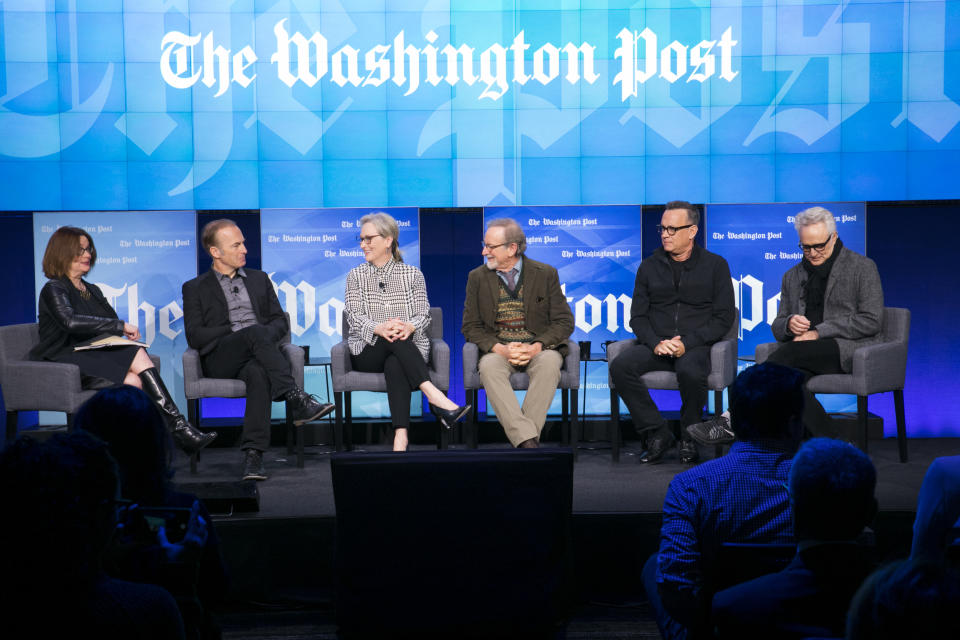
(388, 313)
(72, 310)
(190, 569)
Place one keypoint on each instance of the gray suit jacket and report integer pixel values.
(852, 306)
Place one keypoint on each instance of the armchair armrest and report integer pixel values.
(294, 355)
(764, 351)
(880, 367)
(440, 363)
(340, 363)
(33, 385)
(192, 373)
(723, 361)
(471, 363)
(570, 371)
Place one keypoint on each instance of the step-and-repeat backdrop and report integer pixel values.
(307, 254)
(143, 259)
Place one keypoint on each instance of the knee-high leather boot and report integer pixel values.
(186, 437)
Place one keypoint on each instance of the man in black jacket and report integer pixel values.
(233, 318)
(682, 304)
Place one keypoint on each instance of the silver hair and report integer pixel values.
(815, 215)
(387, 227)
(512, 233)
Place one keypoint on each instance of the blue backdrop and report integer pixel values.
(201, 104)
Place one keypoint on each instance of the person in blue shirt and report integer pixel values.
(740, 497)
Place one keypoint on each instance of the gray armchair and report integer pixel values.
(196, 386)
(346, 380)
(723, 371)
(30, 385)
(877, 368)
(568, 386)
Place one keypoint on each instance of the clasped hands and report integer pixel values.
(518, 354)
(799, 326)
(394, 329)
(673, 347)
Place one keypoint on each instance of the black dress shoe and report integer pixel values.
(253, 465)
(688, 452)
(305, 407)
(656, 447)
(529, 444)
(450, 417)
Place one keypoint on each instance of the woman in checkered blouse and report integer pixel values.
(388, 313)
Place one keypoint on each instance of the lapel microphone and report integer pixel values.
(383, 286)
(236, 289)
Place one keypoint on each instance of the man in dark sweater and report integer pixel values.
(682, 303)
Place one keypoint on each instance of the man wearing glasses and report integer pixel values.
(830, 304)
(682, 304)
(517, 315)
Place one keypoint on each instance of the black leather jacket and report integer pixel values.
(61, 328)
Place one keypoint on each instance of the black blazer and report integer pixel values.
(205, 315)
(61, 327)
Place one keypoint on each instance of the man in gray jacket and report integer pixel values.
(831, 303)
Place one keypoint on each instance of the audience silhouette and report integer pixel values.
(61, 502)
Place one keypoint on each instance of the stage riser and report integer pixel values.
(282, 560)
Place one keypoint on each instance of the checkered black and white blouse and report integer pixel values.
(377, 294)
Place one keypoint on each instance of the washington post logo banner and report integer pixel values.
(143, 259)
(596, 251)
(205, 104)
(760, 244)
(307, 253)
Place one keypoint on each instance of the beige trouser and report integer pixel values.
(544, 371)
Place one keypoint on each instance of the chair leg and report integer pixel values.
(296, 433)
(348, 420)
(12, 425)
(574, 422)
(338, 421)
(193, 415)
(862, 421)
(614, 425)
(475, 419)
(13, 418)
(291, 433)
(901, 424)
(564, 415)
(717, 410)
(69, 422)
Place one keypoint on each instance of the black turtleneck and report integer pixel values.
(816, 288)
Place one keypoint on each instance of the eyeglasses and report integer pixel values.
(820, 246)
(671, 231)
(84, 250)
(368, 239)
(491, 247)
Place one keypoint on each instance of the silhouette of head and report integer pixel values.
(766, 402)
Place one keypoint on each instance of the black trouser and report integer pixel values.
(403, 367)
(812, 358)
(692, 369)
(251, 355)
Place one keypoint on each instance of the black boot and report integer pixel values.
(186, 437)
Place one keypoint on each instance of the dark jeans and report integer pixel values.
(812, 358)
(692, 369)
(404, 369)
(253, 356)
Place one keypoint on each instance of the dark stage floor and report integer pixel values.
(600, 486)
